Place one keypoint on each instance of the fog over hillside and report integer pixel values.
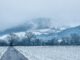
(16, 12)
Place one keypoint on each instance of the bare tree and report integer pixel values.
(12, 38)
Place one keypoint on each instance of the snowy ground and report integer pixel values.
(2, 50)
(13, 54)
(47, 53)
(51, 53)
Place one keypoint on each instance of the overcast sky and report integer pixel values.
(62, 12)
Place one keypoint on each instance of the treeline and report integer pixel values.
(31, 40)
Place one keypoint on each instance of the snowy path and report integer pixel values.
(13, 54)
(2, 51)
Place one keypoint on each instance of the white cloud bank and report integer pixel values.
(62, 12)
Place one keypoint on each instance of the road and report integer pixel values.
(13, 54)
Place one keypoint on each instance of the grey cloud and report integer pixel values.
(61, 12)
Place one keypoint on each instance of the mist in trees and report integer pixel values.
(31, 40)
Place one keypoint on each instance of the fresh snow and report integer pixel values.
(13, 54)
(37, 32)
(3, 37)
(22, 34)
(2, 51)
(51, 52)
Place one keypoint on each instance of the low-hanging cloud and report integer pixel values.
(61, 12)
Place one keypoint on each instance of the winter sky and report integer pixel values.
(61, 12)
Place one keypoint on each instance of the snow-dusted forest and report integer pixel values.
(42, 37)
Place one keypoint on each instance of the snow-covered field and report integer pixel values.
(51, 52)
(2, 51)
